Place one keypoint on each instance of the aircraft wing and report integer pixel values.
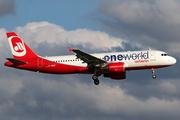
(87, 58)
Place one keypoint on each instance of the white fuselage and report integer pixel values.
(131, 59)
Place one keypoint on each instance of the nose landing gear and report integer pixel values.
(153, 76)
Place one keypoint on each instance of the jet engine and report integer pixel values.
(117, 71)
(116, 76)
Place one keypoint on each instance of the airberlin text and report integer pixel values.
(138, 57)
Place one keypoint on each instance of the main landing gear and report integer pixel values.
(95, 78)
(153, 76)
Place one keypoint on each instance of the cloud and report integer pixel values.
(7, 7)
(140, 11)
(30, 95)
(69, 98)
(152, 23)
(47, 32)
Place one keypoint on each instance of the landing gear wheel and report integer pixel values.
(153, 76)
(96, 82)
(95, 77)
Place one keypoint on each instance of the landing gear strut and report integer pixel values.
(95, 76)
(153, 76)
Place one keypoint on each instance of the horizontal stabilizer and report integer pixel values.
(17, 62)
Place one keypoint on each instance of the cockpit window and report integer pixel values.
(164, 54)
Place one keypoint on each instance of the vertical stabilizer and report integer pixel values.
(19, 49)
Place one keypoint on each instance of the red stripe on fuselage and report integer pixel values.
(49, 67)
(58, 68)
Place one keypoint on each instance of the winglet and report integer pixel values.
(70, 49)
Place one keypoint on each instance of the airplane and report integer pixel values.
(111, 65)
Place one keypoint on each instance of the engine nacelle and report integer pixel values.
(114, 67)
(116, 76)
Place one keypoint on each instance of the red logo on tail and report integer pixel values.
(18, 46)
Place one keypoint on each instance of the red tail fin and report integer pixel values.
(19, 49)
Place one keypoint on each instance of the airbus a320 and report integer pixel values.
(111, 65)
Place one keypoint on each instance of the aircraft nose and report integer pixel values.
(173, 60)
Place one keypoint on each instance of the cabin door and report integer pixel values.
(152, 55)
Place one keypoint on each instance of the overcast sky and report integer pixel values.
(94, 26)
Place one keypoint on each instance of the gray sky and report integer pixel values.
(106, 26)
